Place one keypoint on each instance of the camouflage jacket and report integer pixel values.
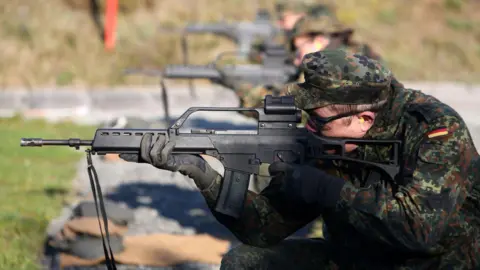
(428, 218)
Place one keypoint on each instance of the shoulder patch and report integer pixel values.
(437, 132)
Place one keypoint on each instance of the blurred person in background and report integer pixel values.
(288, 14)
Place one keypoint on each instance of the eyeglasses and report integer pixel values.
(320, 122)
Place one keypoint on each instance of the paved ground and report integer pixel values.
(164, 201)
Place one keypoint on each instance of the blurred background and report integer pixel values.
(57, 42)
(49, 46)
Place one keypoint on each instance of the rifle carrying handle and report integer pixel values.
(232, 194)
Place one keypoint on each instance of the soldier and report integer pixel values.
(427, 218)
(289, 13)
(330, 34)
(310, 34)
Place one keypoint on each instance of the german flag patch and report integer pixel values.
(437, 132)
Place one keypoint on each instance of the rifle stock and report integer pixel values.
(241, 152)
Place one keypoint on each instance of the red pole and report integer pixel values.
(111, 10)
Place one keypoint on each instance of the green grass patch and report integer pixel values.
(34, 183)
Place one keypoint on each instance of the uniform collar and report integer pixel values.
(389, 119)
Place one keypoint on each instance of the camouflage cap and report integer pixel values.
(321, 10)
(340, 77)
(323, 24)
(292, 6)
(309, 7)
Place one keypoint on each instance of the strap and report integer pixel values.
(93, 176)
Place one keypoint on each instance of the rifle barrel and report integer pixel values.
(38, 142)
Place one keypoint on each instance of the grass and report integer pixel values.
(35, 182)
(56, 43)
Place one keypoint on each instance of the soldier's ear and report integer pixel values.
(321, 42)
(366, 120)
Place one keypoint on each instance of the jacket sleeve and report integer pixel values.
(415, 217)
(265, 219)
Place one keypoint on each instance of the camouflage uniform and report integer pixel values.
(309, 8)
(427, 218)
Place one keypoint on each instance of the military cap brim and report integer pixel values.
(340, 77)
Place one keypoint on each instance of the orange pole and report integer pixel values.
(110, 23)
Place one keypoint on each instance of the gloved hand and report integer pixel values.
(159, 154)
(307, 186)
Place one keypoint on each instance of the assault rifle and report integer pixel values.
(243, 33)
(241, 152)
(229, 75)
(276, 69)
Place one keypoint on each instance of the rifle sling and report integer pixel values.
(94, 183)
